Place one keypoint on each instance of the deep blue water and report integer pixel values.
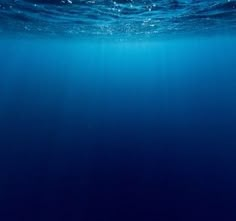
(124, 131)
(108, 114)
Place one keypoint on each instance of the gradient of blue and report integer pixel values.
(118, 130)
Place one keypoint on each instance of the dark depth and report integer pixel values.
(125, 131)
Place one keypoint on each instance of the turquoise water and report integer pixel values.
(132, 125)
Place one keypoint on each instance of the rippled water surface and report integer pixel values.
(117, 18)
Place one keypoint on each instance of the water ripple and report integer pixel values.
(117, 18)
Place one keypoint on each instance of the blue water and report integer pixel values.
(117, 124)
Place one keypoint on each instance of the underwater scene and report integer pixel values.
(117, 110)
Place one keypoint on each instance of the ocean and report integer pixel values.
(117, 110)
